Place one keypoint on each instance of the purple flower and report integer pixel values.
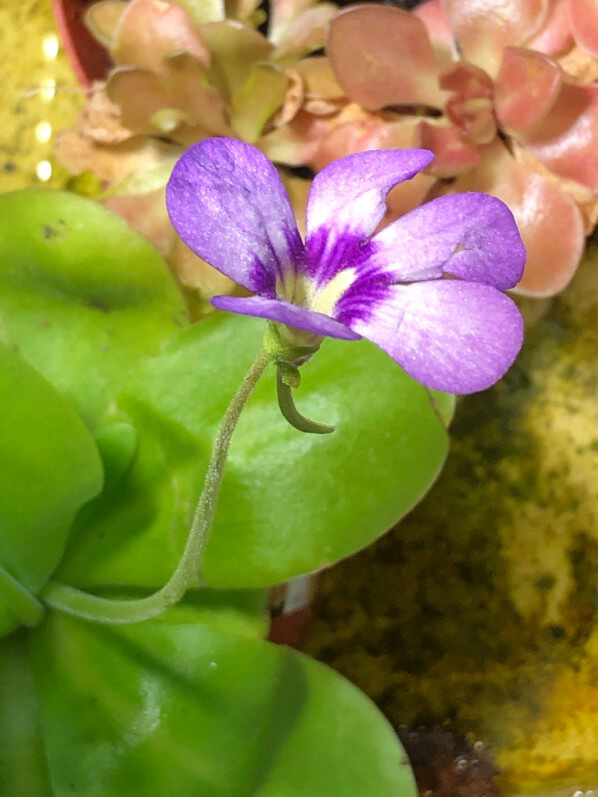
(227, 202)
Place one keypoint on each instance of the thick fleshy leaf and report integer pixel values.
(382, 56)
(432, 15)
(453, 154)
(319, 79)
(100, 118)
(483, 29)
(275, 517)
(23, 764)
(193, 272)
(527, 87)
(472, 236)
(254, 102)
(203, 11)
(183, 709)
(83, 297)
(448, 334)
(283, 14)
(549, 221)
(348, 196)
(285, 313)
(306, 33)
(145, 213)
(101, 19)
(466, 80)
(183, 86)
(234, 49)
(227, 202)
(474, 118)
(554, 37)
(566, 140)
(51, 467)
(79, 153)
(296, 143)
(243, 10)
(150, 30)
(583, 18)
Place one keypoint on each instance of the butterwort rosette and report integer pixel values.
(428, 288)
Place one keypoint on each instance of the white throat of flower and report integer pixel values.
(304, 292)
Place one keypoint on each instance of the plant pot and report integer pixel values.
(89, 59)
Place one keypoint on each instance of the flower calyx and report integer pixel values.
(288, 358)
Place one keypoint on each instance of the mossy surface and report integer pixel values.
(478, 611)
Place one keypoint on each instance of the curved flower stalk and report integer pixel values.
(184, 72)
(501, 94)
(228, 203)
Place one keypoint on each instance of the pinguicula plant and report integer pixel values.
(132, 615)
(182, 72)
(504, 94)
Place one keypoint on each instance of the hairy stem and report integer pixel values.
(105, 610)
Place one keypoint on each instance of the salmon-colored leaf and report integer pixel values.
(527, 87)
(382, 56)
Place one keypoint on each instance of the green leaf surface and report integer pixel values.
(187, 711)
(50, 467)
(82, 297)
(291, 502)
(23, 766)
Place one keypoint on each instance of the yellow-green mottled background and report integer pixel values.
(37, 87)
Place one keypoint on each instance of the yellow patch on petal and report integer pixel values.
(324, 301)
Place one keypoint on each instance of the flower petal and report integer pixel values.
(346, 203)
(549, 221)
(347, 198)
(483, 28)
(472, 236)
(449, 335)
(527, 87)
(383, 56)
(285, 313)
(227, 202)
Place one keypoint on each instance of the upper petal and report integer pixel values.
(473, 236)
(227, 202)
(449, 335)
(346, 201)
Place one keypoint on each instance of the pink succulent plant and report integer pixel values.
(184, 71)
(502, 92)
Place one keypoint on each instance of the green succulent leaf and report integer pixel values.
(255, 100)
(290, 503)
(81, 295)
(50, 468)
(183, 709)
(23, 765)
